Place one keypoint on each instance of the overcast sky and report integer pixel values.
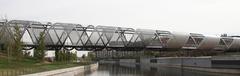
(200, 16)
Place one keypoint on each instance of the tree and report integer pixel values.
(148, 53)
(7, 41)
(57, 55)
(9, 49)
(73, 56)
(39, 53)
(17, 45)
(83, 56)
(65, 56)
(91, 56)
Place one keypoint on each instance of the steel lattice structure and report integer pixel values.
(101, 37)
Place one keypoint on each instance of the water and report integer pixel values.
(145, 70)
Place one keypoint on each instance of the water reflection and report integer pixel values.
(146, 70)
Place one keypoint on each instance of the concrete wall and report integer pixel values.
(79, 71)
(186, 61)
(107, 61)
(127, 60)
(236, 57)
(206, 61)
(226, 62)
(145, 60)
(197, 61)
(169, 61)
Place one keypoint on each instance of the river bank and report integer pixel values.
(73, 71)
(28, 66)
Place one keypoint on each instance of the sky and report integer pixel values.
(211, 17)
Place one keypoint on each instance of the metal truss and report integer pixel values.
(79, 36)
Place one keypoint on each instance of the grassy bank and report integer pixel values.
(30, 65)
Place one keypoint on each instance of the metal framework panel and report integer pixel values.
(35, 29)
(86, 34)
(96, 38)
(4, 33)
(194, 41)
(75, 35)
(127, 34)
(116, 40)
(235, 44)
(19, 23)
(150, 38)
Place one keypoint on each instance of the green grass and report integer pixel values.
(8, 64)
(29, 65)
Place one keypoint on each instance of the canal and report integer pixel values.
(144, 70)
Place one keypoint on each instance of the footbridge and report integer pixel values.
(79, 37)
